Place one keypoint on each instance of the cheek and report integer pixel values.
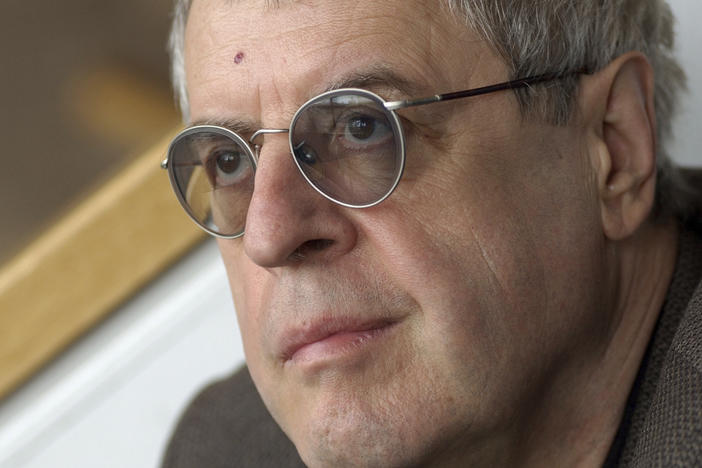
(480, 294)
(488, 253)
(468, 239)
(446, 268)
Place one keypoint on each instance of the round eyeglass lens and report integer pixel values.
(349, 147)
(212, 172)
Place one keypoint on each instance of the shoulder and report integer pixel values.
(227, 425)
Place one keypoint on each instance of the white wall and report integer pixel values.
(687, 147)
(112, 400)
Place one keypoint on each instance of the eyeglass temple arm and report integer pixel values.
(514, 84)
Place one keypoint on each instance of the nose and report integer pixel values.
(288, 221)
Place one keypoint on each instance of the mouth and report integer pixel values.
(332, 340)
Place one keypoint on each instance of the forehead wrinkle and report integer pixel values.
(406, 80)
(377, 76)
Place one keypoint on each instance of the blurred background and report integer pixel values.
(114, 310)
(90, 230)
(84, 90)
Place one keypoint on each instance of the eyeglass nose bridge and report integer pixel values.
(264, 131)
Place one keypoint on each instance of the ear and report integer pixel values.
(623, 116)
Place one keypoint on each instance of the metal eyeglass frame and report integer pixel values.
(390, 106)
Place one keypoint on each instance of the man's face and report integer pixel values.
(434, 323)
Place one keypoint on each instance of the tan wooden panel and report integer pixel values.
(95, 258)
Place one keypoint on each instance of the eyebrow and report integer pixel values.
(378, 76)
(242, 127)
(375, 78)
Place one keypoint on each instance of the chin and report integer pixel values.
(363, 432)
(361, 443)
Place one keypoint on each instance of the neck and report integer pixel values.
(584, 416)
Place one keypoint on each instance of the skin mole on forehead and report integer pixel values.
(238, 58)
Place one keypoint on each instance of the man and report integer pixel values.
(502, 277)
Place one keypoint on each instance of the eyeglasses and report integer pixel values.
(347, 143)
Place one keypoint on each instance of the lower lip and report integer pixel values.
(340, 346)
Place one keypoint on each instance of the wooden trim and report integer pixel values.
(91, 261)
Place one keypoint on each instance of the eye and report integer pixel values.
(228, 166)
(305, 154)
(363, 129)
(228, 163)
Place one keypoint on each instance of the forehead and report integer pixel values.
(295, 49)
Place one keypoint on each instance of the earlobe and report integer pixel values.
(626, 152)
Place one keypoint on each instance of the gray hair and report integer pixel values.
(543, 36)
(176, 48)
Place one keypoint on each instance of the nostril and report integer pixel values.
(310, 247)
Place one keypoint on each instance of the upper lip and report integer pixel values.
(295, 338)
